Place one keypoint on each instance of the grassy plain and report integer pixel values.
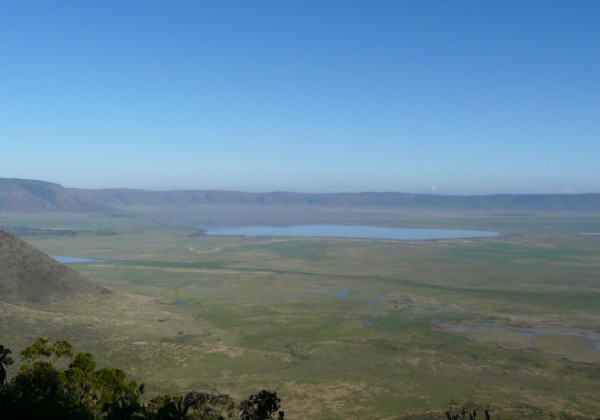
(341, 328)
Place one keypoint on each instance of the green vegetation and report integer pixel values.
(41, 390)
(340, 328)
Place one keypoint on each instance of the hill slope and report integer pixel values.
(24, 195)
(29, 275)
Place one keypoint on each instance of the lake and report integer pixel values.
(63, 259)
(359, 232)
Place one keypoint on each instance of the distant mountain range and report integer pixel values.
(21, 195)
(24, 196)
(27, 275)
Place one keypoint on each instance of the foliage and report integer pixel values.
(5, 361)
(40, 390)
(195, 405)
(261, 406)
(42, 349)
(464, 414)
(210, 406)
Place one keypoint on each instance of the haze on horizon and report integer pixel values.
(344, 96)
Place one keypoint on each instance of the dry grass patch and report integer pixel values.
(310, 400)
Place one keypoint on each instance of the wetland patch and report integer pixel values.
(530, 333)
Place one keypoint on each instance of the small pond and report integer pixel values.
(63, 259)
(360, 232)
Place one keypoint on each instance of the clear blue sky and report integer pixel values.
(405, 95)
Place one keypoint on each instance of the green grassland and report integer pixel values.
(340, 328)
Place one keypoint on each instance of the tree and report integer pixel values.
(261, 406)
(41, 349)
(5, 361)
(464, 414)
(120, 398)
(78, 391)
(42, 391)
(39, 389)
(165, 407)
(209, 406)
(195, 405)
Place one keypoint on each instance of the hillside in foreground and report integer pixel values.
(27, 275)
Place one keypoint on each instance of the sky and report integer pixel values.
(436, 96)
